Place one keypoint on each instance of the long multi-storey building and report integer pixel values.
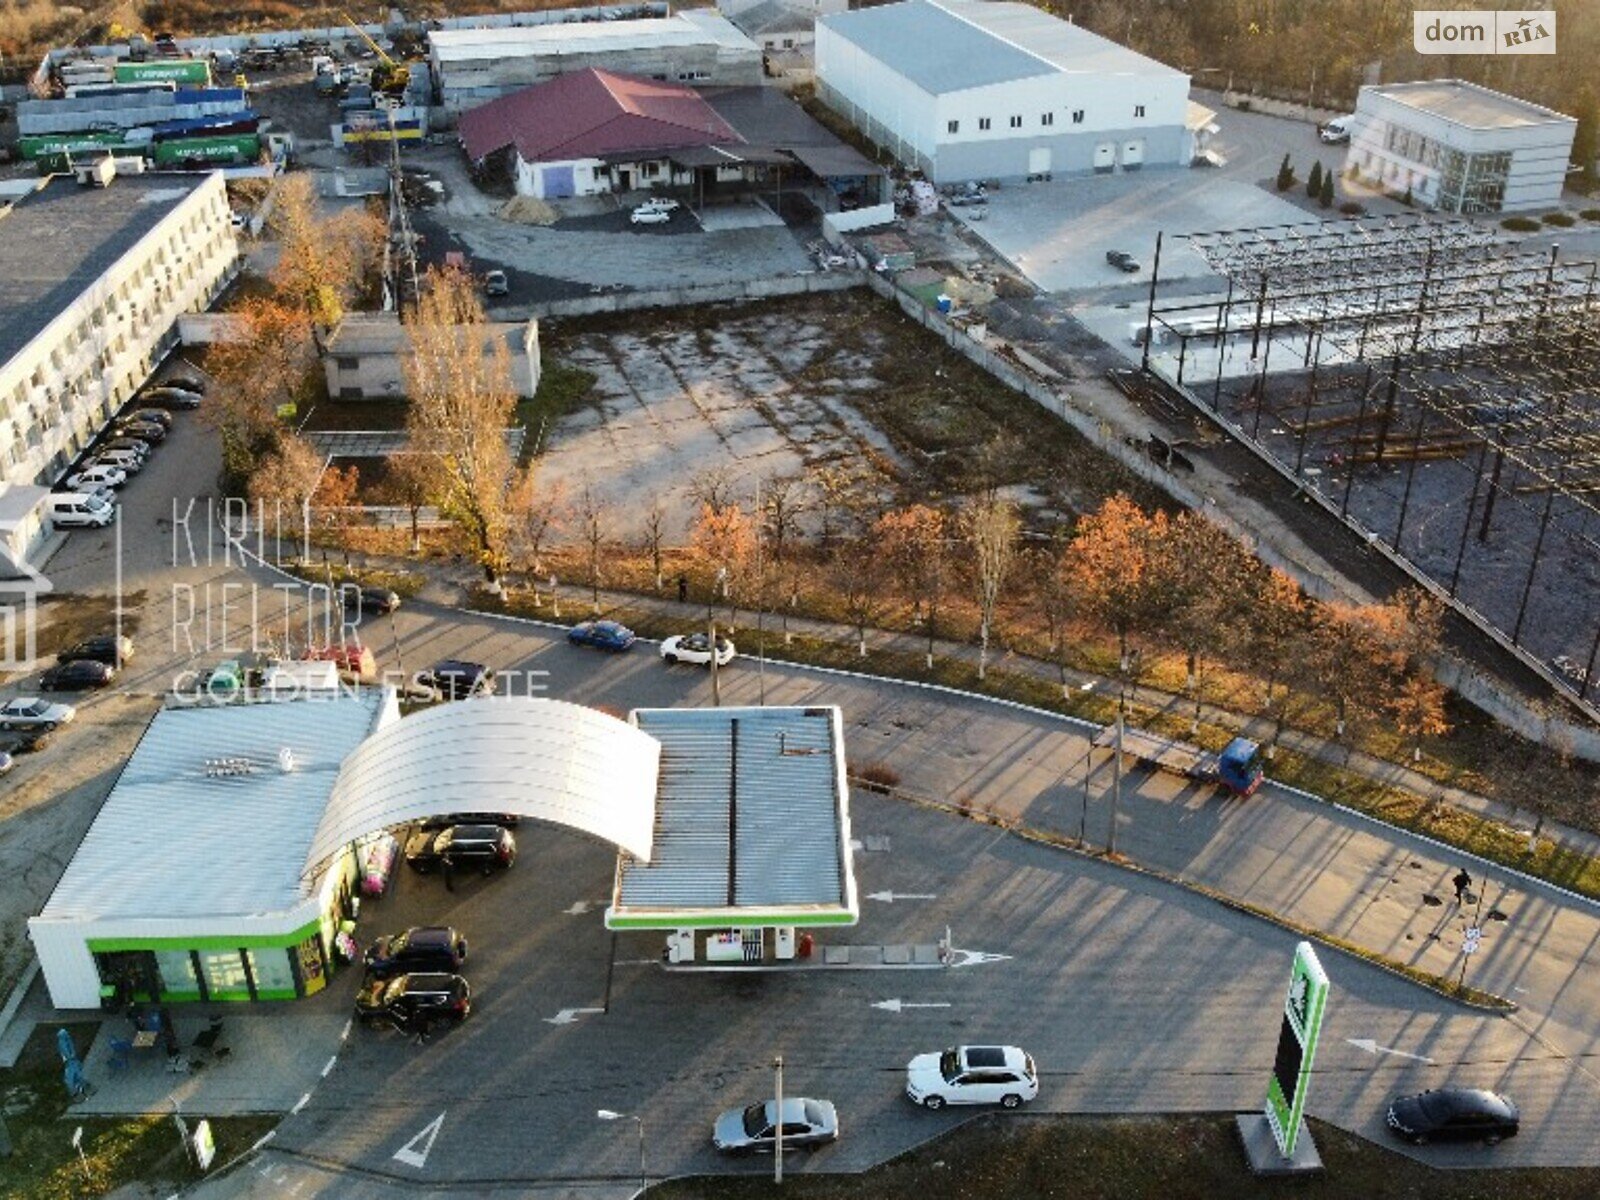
(96, 276)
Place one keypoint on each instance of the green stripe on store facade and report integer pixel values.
(278, 941)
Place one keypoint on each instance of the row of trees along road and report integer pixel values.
(1147, 582)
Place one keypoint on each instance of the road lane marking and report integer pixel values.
(413, 1155)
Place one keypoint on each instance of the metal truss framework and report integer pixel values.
(1413, 339)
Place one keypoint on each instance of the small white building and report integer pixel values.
(1457, 147)
(363, 358)
(472, 66)
(964, 89)
(93, 279)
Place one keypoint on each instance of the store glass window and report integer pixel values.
(274, 977)
(177, 974)
(223, 971)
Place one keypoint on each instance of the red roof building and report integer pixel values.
(593, 114)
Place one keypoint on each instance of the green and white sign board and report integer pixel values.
(1297, 1047)
(205, 1145)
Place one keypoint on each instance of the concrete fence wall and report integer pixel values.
(834, 224)
(712, 293)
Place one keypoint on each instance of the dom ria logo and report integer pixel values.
(1507, 31)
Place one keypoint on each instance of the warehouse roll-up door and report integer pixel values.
(1133, 155)
(1039, 161)
(1105, 156)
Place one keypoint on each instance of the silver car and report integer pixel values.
(754, 1129)
(30, 712)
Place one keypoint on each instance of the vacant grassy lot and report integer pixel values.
(1137, 1158)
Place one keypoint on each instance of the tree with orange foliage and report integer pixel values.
(1346, 659)
(336, 493)
(323, 262)
(723, 540)
(1418, 709)
(282, 486)
(1275, 637)
(462, 399)
(1114, 555)
(267, 367)
(1194, 606)
(912, 543)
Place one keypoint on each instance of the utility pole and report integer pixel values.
(777, 1145)
(716, 677)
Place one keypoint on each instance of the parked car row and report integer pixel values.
(84, 498)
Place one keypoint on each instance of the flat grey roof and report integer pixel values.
(954, 45)
(382, 333)
(750, 813)
(1467, 104)
(55, 242)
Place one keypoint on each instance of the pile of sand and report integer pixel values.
(527, 210)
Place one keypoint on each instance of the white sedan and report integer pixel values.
(649, 216)
(100, 475)
(658, 204)
(1001, 1075)
(695, 648)
(31, 712)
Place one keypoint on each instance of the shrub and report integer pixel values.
(1519, 224)
(1314, 181)
(1352, 208)
(1325, 192)
(877, 776)
(1560, 220)
(1590, 214)
(1285, 175)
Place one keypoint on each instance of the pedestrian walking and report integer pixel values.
(683, 589)
(1462, 881)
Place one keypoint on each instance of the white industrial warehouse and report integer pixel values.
(1458, 147)
(473, 66)
(223, 862)
(963, 89)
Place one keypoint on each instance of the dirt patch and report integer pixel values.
(66, 618)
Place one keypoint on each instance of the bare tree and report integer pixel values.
(1188, 560)
(1050, 568)
(655, 532)
(1276, 638)
(592, 515)
(540, 510)
(711, 488)
(912, 543)
(857, 572)
(992, 527)
(458, 379)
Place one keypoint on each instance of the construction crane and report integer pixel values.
(388, 76)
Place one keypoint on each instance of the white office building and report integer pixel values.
(1457, 147)
(972, 89)
(95, 279)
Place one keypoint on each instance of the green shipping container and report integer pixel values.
(179, 70)
(69, 143)
(237, 147)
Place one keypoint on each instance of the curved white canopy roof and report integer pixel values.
(547, 760)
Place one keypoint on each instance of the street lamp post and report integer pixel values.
(777, 1141)
(605, 1114)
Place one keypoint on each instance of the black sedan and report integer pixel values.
(78, 675)
(184, 383)
(170, 398)
(370, 601)
(105, 648)
(144, 431)
(1454, 1114)
(415, 1002)
(457, 679)
(1122, 261)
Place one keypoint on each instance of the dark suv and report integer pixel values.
(105, 648)
(462, 848)
(456, 679)
(427, 948)
(415, 1002)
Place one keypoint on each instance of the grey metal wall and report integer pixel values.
(1070, 153)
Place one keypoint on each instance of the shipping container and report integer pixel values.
(243, 121)
(377, 129)
(239, 148)
(179, 70)
(120, 89)
(69, 143)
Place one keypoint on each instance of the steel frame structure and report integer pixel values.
(1428, 339)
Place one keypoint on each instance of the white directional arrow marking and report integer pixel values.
(973, 958)
(415, 1155)
(1372, 1047)
(568, 1015)
(891, 897)
(895, 1006)
(581, 907)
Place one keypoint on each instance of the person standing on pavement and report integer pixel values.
(1462, 881)
(683, 589)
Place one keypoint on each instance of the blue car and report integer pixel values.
(603, 635)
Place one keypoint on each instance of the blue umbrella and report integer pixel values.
(77, 1085)
(69, 1052)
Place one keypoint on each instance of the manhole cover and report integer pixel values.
(1431, 900)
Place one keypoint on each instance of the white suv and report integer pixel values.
(972, 1075)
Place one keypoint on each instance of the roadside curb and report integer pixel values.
(9, 1012)
(1500, 1007)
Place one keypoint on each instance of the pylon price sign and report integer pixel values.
(1303, 1007)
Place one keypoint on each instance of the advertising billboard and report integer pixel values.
(1297, 1047)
